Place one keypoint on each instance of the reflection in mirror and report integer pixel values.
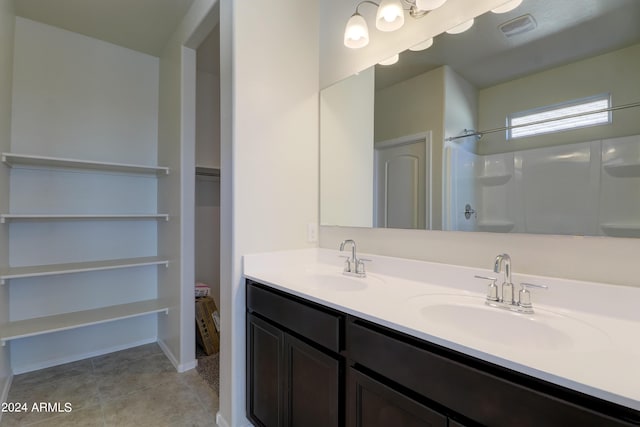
(426, 143)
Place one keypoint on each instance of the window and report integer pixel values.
(565, 116)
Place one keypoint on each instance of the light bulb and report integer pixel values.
(429, 4)
(391, 60)
(462, 27)
(507, 7)
(422, 45)
(390, 16)
(356, 33)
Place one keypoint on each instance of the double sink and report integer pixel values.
(582, 335)
(465, 313)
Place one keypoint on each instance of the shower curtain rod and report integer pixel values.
(480, 134)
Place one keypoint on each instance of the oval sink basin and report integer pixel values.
(455, 315)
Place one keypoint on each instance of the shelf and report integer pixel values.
(495, 226)
(623, 170)
(492, 180)
(62, 322)
(12, 160)
(620, 229)
(77, 267)
(90, 217)
(207, 171)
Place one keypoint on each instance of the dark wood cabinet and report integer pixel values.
(466, 388)
(265, 378)
(373, 404)
(292, 380)
(308, 365)
(313, 383)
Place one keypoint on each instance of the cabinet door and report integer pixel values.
(373, 404)
(265, 373)
(312, 386)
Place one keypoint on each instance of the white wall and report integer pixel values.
(7, 19)
(460, 112)
(176, 192)
(615, 72)
(272, 143)
(346, 151)
(208, 101)
(422, 100)
(611, 260)
(78, 97)
(207, 211)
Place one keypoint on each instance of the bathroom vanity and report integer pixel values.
(325, 349)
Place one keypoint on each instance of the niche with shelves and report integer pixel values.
(34, 324)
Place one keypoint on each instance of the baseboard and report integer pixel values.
(5, 385)
(174, 361)
(220, 421)
(75, 358)
(4, 390)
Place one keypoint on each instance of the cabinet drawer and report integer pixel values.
(319, 325)
(480, 396)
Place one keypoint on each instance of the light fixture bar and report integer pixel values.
(389, 17)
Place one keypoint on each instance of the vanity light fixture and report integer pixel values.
(462, 27)
(429, 4)
(389, 17)
(391, 60)
(507, 7)
(422, 45)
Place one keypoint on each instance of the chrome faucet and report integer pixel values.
(507, 299)
(503, 262)
(352, 266)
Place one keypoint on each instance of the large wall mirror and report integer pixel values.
(529, 122)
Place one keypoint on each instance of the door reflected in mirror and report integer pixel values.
(425, 143)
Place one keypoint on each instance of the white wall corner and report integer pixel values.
(221, 421)
(5, 386)
(187, 205)
(180, 367)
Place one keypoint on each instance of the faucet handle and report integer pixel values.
(524, 296)
(492, 289)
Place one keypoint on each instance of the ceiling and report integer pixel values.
(567, 31)
(142, 25)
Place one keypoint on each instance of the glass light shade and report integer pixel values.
(422, 45)
(507, 7)
(391, 60)
(356, 33)
(429, 4)
(390, 16)
(462, 27)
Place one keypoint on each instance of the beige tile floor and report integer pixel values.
(134, 387)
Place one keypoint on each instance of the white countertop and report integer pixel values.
(602, 357)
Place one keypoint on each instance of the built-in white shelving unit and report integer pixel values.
(66, 321)
(620, 228)
(495, 226)
(13, 159)
(493, 179)
(59, 322)
(207, 171)
(81, 217)
(623, 170)
(78, 267)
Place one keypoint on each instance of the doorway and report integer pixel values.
(402, 183)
